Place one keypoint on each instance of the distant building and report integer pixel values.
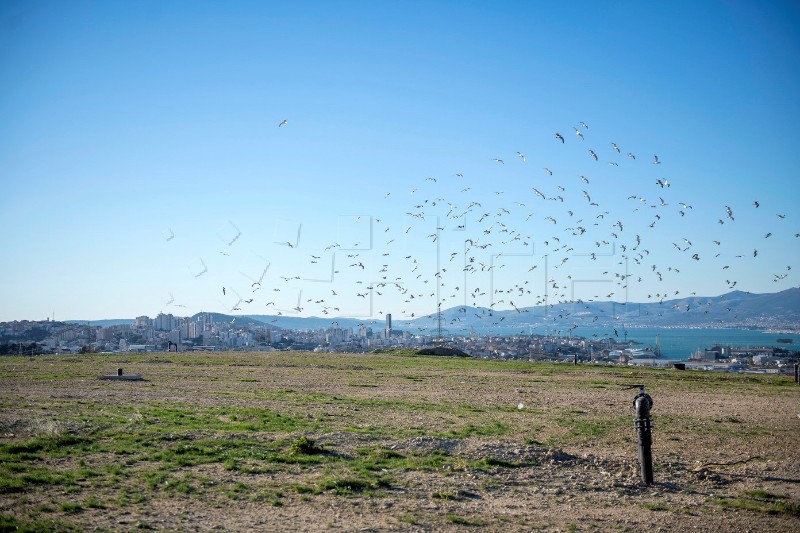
(143, 322)
(105, 334)
(164, 322)
(139, 348)
(195, 330)
(388, 325)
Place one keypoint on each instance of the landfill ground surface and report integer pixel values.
(276, 441)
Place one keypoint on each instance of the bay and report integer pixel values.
(675, 343)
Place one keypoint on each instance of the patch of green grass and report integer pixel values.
(155, 478)
(86, 473)
(302, 489)
(11, 485)
(116, 470)
(55, 446)
(352, 476)
(761, 502)
(464, 521)
(348, 485)
(184, 486)
(370, 460)
(71, 507)
(268, 497)
(435, 460)
(23, 476)
(652, 506)
(762, 495)
(11, 523)
(473, 409)
(243, 454)
(238, 490)
(94, 503)
(407, 518)
(46, 476)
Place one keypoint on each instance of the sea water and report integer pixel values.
(675, 343)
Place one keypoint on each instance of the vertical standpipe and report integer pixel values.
(642, 403)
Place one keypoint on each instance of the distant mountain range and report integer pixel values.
(733, 308)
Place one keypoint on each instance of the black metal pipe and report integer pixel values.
(642, 404)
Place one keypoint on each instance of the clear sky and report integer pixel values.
(143, 167)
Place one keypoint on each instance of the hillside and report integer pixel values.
(735, 307)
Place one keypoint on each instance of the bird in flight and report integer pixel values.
(655, 159)
(283, 123)
(235, 237)
(559, 137)
(521, 156)
(205, 269)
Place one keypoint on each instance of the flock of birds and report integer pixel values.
(548, 240)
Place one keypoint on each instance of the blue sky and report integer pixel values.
(139, 147)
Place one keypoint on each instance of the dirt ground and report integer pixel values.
(562, 456)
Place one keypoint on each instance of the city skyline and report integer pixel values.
(360, 160)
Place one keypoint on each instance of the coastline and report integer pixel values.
(676, 344)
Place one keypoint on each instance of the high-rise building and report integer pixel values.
(195, 330)
(143, 322)
(164, 322)
(388, 325)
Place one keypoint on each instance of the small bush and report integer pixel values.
(305, 446)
